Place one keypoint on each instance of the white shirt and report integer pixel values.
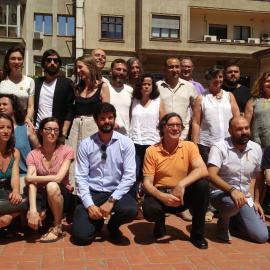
(144, 121)
(22, 90)
(45, 101)
(215, 118)
(120, 98)
(235, 167)
(178, 100)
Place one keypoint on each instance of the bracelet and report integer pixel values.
(231, 190)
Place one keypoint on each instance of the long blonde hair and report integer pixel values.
(257, 89)
(79, 84)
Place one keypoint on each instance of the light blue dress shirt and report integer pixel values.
(115, 174)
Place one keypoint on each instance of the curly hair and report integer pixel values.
(19, 111)
(104, 107)
(257, 89)
(137, 90)
(42, 125)
(78, 83)
(50, 52)
(11, 142)
(6, 69)
(164, 120)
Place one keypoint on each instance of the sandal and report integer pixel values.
(59, 235)
(209, 216)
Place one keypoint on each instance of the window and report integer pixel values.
(43, 23)
(241, 32)
(8, 20)
(66, 26)
(111, 27)
(218, 30)
(165, 26)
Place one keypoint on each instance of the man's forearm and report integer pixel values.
(194, 176)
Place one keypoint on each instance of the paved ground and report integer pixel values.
(139, 250)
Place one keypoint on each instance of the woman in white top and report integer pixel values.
(146, 110)
(212, 111)
(14, 82)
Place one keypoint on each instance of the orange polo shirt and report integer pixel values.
(169, 169)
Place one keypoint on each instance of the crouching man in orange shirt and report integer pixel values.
(174, 175)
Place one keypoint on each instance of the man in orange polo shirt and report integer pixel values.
(174, 175)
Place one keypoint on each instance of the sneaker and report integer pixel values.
(159, 229)
(185, 215)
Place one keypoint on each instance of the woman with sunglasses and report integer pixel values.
(9, 169)
(50, 193)
(14, 82)
(89, 92)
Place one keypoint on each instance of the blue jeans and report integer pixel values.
(255, 227)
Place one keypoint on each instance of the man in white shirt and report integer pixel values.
(100, 57)
(54, 95)
(232, 164)
(120, 95)
(178, 95)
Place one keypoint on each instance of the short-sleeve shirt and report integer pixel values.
(169, 169)
(235, 167)
(62, 153)
(178, 100)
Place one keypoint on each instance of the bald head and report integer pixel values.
(100, 57)
(239, 131)
(234, 121)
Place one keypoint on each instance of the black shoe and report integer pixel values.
(199, 241)
(159, 229)
(115, 235)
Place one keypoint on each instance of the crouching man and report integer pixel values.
(105, 172)
(232, 164)
(173, 180)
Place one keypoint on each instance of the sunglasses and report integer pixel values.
(49, 60)
(103, 151)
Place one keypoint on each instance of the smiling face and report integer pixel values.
(15, 61)
(266, 87)
(119, 73)
(216, 81)
(82, 70)
(6, 106)
(134, 71)
(186, 69)
(100, 58)
(172, 69)
(173, 129)
(5, 130)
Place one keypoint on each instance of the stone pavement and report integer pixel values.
(139, 250)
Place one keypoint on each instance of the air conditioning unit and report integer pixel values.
(253, 40)
(265, 42)
(239, 41)
(209, 38)
(225, 40)
(38, 36)
(265, 37)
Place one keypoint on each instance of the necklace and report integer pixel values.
(265, 104)
(218, 97)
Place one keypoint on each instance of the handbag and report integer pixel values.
(7, 208)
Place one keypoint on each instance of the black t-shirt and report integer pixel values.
(266, 158)
(241, 94)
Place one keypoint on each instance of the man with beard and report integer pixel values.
(100, 57)
(178, 95)
(231, 84)
(120, 95)
(232, 164)
(105, 172)
(54, 95)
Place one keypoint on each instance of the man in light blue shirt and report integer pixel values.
(105, 172)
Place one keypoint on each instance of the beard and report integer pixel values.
(231, 83)
(104, 130)
(118, 80)
(52, 72)
(242, 140)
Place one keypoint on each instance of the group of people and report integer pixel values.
(172, 135)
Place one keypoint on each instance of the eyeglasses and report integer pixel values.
(49, 130)
(103, 150)
(49, 60)
(170, 126)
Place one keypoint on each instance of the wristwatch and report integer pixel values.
(112, 199)
(65, 135)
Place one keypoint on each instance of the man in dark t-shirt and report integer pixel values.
(231, 84)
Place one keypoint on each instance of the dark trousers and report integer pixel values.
(125, 210)
(196, 196)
